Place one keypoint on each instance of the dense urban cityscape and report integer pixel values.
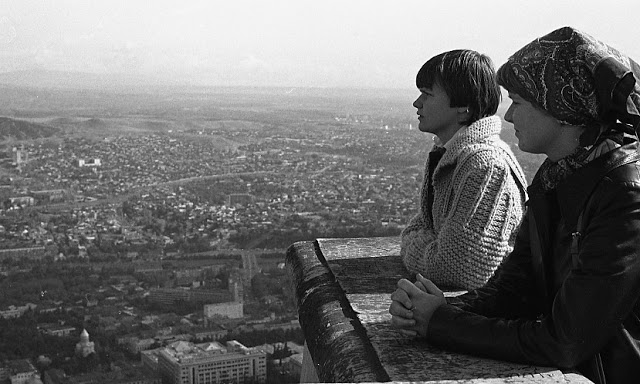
(137, 244)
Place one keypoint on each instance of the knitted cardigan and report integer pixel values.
(478, 203)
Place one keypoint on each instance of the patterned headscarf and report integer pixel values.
(577, 79)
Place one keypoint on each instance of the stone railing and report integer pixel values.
(343, 289)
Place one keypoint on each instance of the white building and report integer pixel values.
(208, 363)
(89, 163)
(20, 156)
(85, 347)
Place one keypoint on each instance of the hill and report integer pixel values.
(12, 129)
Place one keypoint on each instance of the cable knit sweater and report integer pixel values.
(478, 203)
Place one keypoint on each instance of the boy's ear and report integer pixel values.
(463, 114)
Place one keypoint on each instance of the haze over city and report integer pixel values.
(285, 43)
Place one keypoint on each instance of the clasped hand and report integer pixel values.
(413, 304)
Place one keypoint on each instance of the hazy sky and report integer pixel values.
(288, 42)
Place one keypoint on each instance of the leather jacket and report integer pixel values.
(563, 298)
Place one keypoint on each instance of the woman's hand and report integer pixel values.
(413, 305)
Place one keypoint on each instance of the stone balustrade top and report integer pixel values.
(343, 289)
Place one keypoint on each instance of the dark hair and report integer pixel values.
(468, 78)
(507, 78)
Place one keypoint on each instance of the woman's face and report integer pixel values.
(536, 130)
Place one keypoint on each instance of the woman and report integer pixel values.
(567, 295)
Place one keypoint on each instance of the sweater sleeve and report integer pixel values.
(485, 209)
(510, 292)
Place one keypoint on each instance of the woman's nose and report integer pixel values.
(416, 104)
(508, 116)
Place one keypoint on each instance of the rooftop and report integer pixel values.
(19, 366)
(186, 352)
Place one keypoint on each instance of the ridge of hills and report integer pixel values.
(13, 129)
(60, 80)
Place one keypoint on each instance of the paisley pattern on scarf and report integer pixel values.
(576, 78)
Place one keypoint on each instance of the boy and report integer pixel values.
(474, 190)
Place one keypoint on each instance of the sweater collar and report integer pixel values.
(479, 131)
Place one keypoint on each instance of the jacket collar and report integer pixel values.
(573, 193)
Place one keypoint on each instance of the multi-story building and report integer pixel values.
(13, 312)
(171, 295)
(49, 196)
(127, 375)
(56, 330)
(211, 363)
(31, 253)
(22, 372)
(210, 331)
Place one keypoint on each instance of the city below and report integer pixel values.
(142, 235)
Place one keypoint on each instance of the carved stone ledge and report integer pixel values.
(343, 289)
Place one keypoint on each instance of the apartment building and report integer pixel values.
(211, 363)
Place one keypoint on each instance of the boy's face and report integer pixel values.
(435, 113)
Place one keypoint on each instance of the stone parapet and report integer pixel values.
(343, 289)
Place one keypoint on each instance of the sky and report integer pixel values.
(290, 43)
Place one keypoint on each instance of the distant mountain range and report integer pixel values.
(71, 80)
(78, 80)
(12, 129)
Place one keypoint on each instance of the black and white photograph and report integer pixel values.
(293, 191)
